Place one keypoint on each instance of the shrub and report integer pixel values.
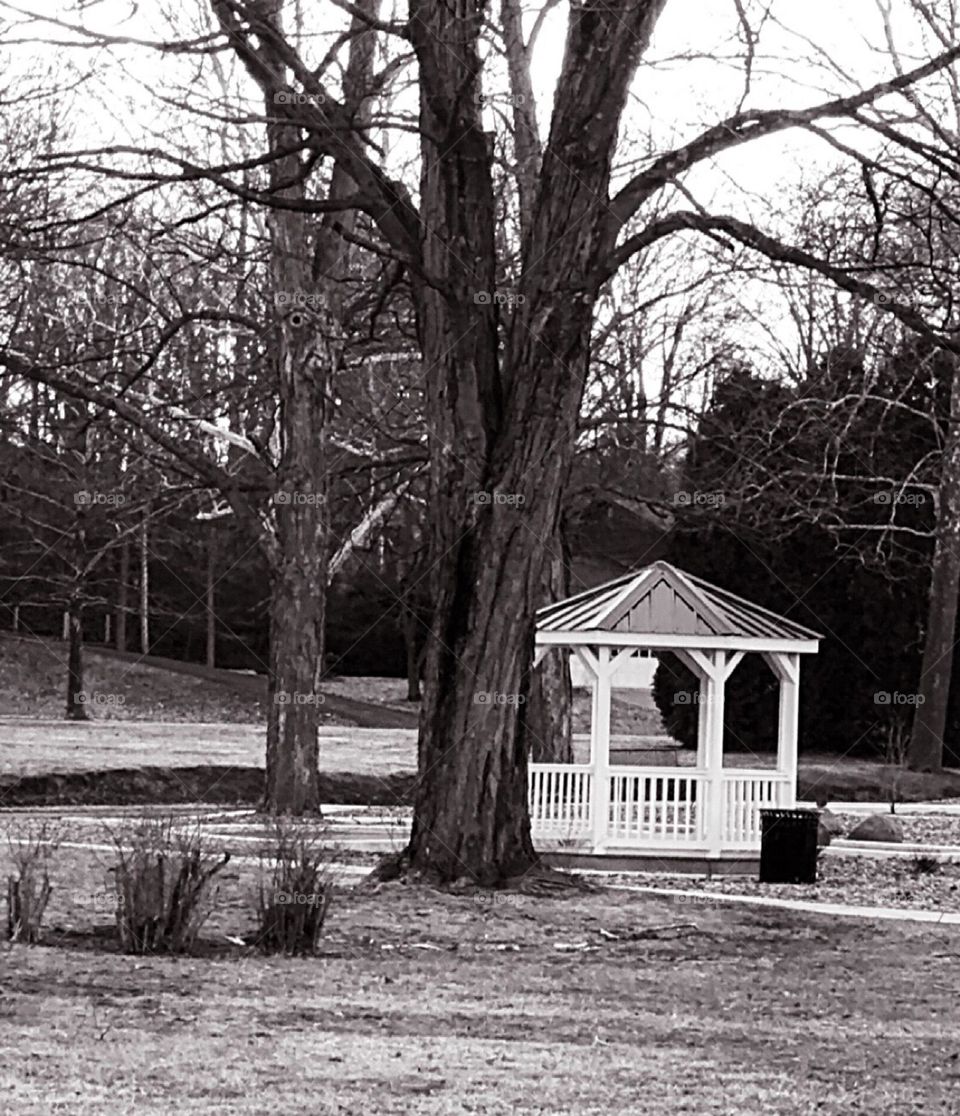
(296, 887)
(164, 881)
(28, 889)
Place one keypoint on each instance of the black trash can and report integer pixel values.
(788, 846)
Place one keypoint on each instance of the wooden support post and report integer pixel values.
(714, 752)
(600, 750)
(788, 726)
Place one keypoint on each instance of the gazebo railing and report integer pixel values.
(745, 794)
(650, 807)
(656, 806)
(561, 799)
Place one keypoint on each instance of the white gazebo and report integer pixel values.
(705, 815)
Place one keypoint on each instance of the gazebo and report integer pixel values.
(705, 817)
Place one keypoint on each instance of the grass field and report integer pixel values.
(425, 1002)
(179, 716)
(430, 1003)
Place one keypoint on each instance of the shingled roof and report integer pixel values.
(660, 599)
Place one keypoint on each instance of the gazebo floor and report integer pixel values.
(639, 860)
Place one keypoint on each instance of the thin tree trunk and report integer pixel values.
(76, 698)
(925, 751)
(299, 574)
(550, 708)
(123, 596)
(145, 584)
(211, 656)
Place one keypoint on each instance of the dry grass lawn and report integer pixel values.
(424, 1002)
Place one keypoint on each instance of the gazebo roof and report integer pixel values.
(661, 600)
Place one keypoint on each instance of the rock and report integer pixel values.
(831, 823)
(877, 827)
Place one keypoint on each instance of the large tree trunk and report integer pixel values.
(925, 751)
(503, 423)
(76, 698)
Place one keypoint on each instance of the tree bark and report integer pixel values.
(210, 598)
(925, 751)
(123, 595)
(76, 697)
(145, 583)
(412, 648)
(550, 707)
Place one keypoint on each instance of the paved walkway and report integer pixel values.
(842, 910)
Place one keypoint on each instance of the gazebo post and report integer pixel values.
(788, 723)
(600, 750)
(716, 685)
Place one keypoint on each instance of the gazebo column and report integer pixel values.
(715, 684)
(714, 668)
(600, 749)
(786, 666)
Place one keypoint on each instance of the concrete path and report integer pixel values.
(842, 910)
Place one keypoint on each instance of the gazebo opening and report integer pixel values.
(706, 812)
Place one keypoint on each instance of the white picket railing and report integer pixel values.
(656, 806)
(651, 807)
(561, 799)
(745, 794)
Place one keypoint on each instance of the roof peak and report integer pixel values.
(663, 599)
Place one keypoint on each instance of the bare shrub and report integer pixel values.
(296, 887)
(165, 886)
(28, 888)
